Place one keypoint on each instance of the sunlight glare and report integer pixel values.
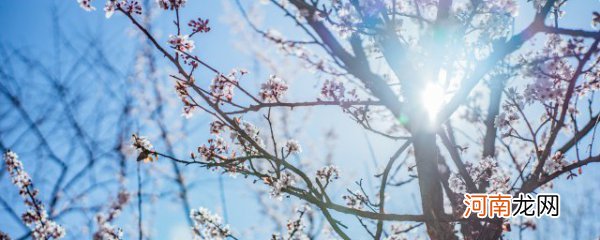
(433, 96)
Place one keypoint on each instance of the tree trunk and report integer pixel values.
(432, 199)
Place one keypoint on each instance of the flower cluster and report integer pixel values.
(333, 90)
(592, 85)
(199, 26)
(144, 148)
(355, 200)
(556, 163)
(278, 184)
(128, 6)
(273, 89)
(216, 127)
(348, 18)
(208, 225)
(106, 231)
(182, 43)
(252, 131)
(295, 227)
(36, 216)
(86, 5)
(328, 173)
(171, 4)
(216, 147)
(183, 94)
(510, 111)
(292, 146)
(222, 86)
(485, 170)
(543, 89)
(456, 183)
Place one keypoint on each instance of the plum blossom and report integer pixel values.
(485, 170)
(556, 163)
(208, 225)
(457, 184)
(216, 147)
(86, 5)
(145, 149)
(129, 6)
(141, 143)
(328, 173)
(35, 216)
(182, 43)
(292, 146)
(296, 227)
(199, 26)
(216, 127)
(252, 132)
(171, 4)
(273, 89)
(355, 200)
(509, 115)
(109, 8)
(188, 106)
(278, 185)
(333, 90)
(348, 19)
(499, 181)
(222, 86)
(106, 231)
(543, 89)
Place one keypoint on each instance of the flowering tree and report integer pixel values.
(473, 104)
(430, 56)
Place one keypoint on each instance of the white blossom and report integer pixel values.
(86, 5)
(141, 143)
(106, 231)
(273, 89)
(555, 163)
(182, 43)
(171, 4)
(35, 216)
(328, 173)
(292, 146)
(285, 180)
(208, 225)
(355, 200)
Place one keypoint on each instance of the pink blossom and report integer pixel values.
(86, 5)
(182, 43)
(273, 89)
(171, 4)
(328, 173)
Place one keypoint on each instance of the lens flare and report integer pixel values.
(434, 96)
(433, 99)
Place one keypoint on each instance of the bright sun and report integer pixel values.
(433, 96)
